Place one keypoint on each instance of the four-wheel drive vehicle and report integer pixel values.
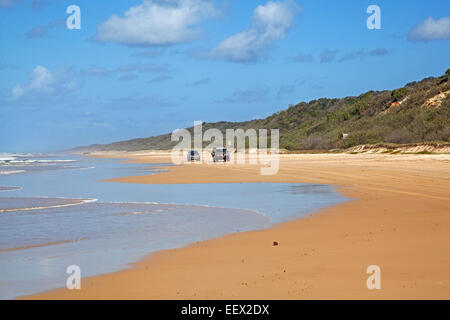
(193, 155)
(220, 154)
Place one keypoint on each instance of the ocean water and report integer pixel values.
(55, 211)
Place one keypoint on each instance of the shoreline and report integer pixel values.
(303, 266)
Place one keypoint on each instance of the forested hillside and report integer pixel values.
(417, 112)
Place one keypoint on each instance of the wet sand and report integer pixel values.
(399, 220)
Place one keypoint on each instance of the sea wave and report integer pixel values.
(5, 172)
(4, 189)
(248, 211)
(15, 154)
(77, 167)
(74, 203)
(5, 156)
(159, 210)
(27, 161)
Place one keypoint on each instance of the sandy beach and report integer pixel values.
(399, 220)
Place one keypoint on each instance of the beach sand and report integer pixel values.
(399, 220)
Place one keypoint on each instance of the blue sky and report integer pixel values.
(140, 68)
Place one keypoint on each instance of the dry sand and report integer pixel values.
(399, 220)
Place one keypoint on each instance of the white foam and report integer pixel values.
(12, 189)
(52, 206)
(14, 155)
(248, 211)
(5, 172)
(39, 161)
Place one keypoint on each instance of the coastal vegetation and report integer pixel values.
(419, 112)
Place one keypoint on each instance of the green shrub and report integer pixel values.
(367, 118)
(399, 94)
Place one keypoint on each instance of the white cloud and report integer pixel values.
(18, 91)
(269, 22)
(41, 79)
(157, 22)
(44, 82)
(431, 29)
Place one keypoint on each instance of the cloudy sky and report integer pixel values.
(144, 67)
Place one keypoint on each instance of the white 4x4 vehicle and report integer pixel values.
(193, 155)
(220, 154)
